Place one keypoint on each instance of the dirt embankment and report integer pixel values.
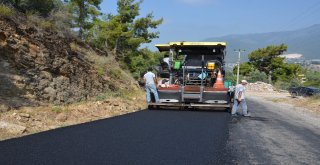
(28, 120)
(39, 65)
(49, 81)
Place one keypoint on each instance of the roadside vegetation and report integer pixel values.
(313, 79)
(266, 65)
(120, 35)
(5, 10)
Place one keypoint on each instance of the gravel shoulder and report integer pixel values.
(277, 133)
(30, 120)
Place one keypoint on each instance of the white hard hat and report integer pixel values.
(244, 81)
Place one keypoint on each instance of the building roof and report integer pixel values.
(292, 56)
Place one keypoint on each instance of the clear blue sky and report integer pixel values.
(196, 20)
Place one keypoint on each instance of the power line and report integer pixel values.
(301, 16)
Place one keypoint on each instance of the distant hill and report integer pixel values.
(303, 41)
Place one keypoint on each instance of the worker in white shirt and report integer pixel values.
(166, 59)
(151, 81)
(240, 99)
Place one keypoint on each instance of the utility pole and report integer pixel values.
(239, 56)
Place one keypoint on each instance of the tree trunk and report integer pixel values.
(117, 46)
(81, 18)
(270, 77)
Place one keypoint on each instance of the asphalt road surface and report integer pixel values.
(275, 134)
(145, 137)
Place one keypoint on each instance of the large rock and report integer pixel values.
(46, 75)
(12, 128)
(260, 87)
(4, 108)
(49, 93)
(3, 37)
(62, 117)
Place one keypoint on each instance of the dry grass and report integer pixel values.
(34, 19)
(108, 67)
(311, 104)
(46, 117)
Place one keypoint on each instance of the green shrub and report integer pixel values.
(316, 97)
(229, 76)
(101, 71)
(284, 85)
(101, 97)
(46, 25)
(280, 85)
(61, 20)
(43, 7)
(33, 18)
(120, 93)
(313, 79)
(5, 10)
(256, 75)
(115, 73)
(295, 82)
(56, 109)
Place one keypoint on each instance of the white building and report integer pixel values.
(294, 58)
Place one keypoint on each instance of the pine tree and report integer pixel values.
(84, 12)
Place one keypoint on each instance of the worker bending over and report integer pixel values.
(239, 99)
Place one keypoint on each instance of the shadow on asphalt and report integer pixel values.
(189, 110)
(240, 118)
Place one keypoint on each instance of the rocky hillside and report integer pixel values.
(41, 66)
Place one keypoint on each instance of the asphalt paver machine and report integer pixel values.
(192, 76)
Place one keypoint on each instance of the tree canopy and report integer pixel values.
(124, 32)
(84, 12)
(268, 60)
(245, 69)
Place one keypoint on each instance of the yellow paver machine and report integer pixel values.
(192, 76)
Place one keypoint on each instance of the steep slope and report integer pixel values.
(304, 41)
(40, 66)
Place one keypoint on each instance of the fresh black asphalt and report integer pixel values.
(145, 137)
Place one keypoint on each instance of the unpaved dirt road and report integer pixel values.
(275, 134)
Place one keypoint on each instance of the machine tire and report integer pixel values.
(183, 108)
(150, 107)
(294, 94)
(228, 110)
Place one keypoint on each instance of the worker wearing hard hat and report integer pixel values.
(239, 99)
